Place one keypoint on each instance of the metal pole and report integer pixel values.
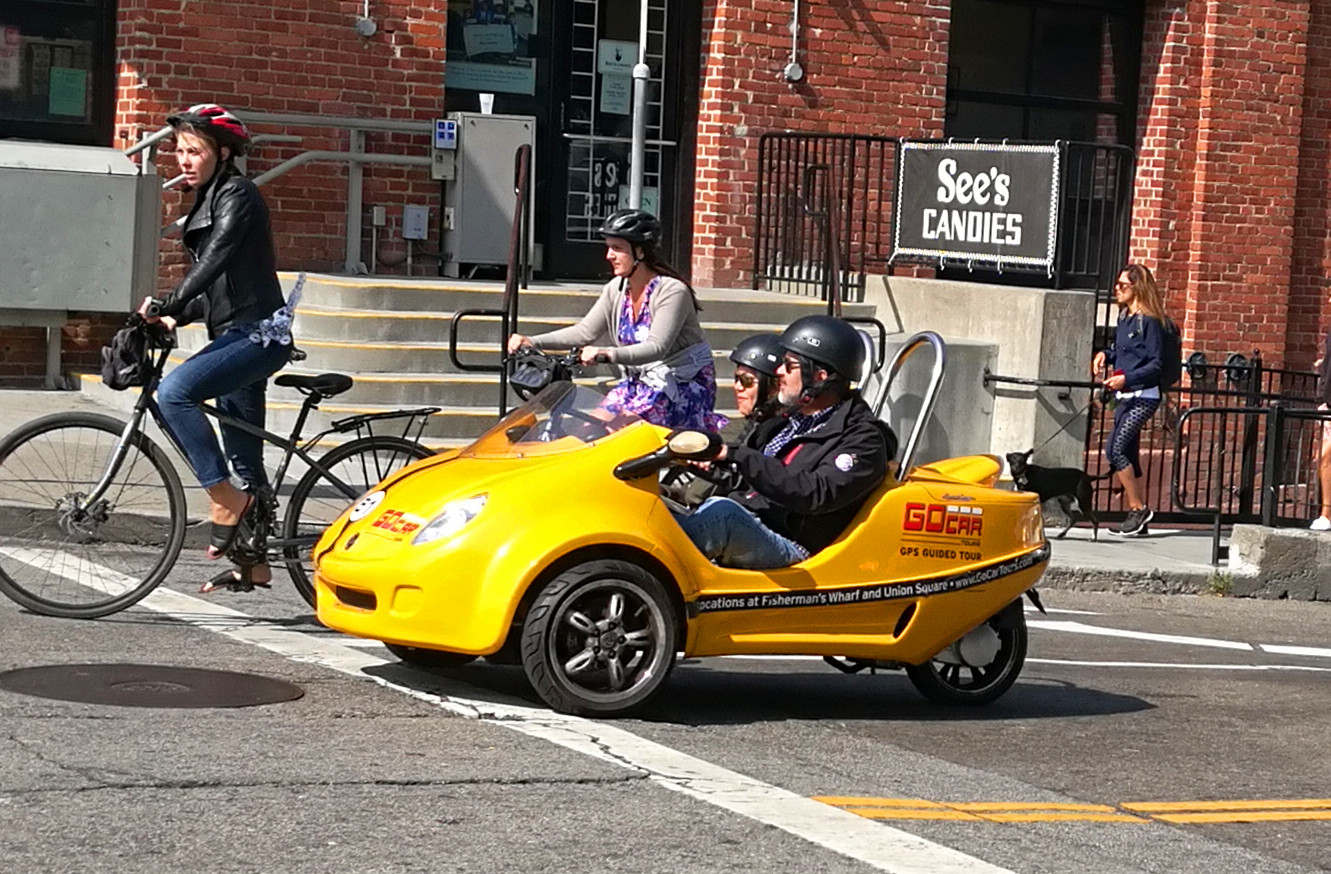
(355, 179)
(638, 151)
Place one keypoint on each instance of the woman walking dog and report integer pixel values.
(1135, 364)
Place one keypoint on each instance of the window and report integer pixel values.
(1031, 70)
(56, 70)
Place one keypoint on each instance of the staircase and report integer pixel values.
(391, 336)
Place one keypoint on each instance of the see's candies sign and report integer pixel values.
(977, 202)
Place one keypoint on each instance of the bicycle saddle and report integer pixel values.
(325, 384)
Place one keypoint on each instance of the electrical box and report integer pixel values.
(78, 230)
(443, 150)
(479, 201)
(415, 222)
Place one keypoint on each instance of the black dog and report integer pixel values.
(1067, 485)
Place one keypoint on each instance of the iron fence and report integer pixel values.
(1211, 449)
(824, 212)
(813, 188)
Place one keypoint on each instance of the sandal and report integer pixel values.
(222, 537)
(240, 579)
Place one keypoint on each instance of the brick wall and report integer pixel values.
(876, 67)
(1224, 158)
(288, 56)
(293, 56)
(1309, 311)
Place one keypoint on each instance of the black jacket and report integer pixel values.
(233, 277)
(816, 485)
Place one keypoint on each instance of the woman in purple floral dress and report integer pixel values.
(649, 313)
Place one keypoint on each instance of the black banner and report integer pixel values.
(977, 202)
(874, 592)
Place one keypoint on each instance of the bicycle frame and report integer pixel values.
(291, 445)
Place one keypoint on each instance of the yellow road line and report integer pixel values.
(1274, 804)
(1061, 817)
(1246, 816)
(1237, 811)
(994, 806)
(893, 813)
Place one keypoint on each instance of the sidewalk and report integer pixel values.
(1167, 562)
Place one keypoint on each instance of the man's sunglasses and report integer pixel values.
(745, 380)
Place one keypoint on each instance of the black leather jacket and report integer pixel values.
(817, 484)
(233, 278)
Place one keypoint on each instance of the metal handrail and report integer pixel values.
(355, 158)
(930, 395)
(518, 268)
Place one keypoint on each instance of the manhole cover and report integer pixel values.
(148, 686)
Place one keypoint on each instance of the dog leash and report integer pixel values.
(1064, 426)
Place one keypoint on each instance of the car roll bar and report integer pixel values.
(908, 348)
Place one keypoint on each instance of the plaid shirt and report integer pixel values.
(797, 425)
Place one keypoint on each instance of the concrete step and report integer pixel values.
(556, 301)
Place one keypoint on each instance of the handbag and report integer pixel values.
(125, 359)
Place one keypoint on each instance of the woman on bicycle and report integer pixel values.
(232, 285)
(649, 314)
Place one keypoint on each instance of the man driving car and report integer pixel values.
(805, 474)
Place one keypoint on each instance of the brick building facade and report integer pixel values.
(1232, 113)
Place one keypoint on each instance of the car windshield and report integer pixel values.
(561, 418)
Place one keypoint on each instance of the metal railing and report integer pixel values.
(824, 214)
(519, 270)
(823, 220)
(355, 157)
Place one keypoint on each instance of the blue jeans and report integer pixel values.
(730, 535)
(235, 372)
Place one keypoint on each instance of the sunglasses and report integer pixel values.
(745, 380)
(791, 363)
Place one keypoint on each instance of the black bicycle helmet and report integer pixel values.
(634, 225)
(761, 352)
(831, 344)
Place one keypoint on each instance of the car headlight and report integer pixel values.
(450, 520)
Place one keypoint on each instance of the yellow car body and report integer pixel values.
(925, 561)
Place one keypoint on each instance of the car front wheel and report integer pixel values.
(600, 639)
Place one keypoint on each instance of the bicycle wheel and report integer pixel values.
(62, 558)
(318, 500)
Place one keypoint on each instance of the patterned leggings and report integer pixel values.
(1129, 417)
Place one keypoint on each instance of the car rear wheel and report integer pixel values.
(421, 657)
(981, 666)
(600, 639)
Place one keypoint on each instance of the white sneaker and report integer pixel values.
(1321, 523)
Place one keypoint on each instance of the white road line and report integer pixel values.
(1082, 628)
(1031, 608)
(874, 843)
(1283, 649)
(1183, 665)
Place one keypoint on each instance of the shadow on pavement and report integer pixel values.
(698, 694)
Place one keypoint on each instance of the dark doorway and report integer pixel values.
(586, 162)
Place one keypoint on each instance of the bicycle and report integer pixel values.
(93, 514)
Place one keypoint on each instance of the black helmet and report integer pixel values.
(633, 225)
(761, 352)
(831, 343)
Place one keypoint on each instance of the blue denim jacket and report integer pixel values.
(1139, 346)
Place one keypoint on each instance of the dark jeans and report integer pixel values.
(235, 371)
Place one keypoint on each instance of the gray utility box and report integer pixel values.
(79, 228)
(479, 202)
